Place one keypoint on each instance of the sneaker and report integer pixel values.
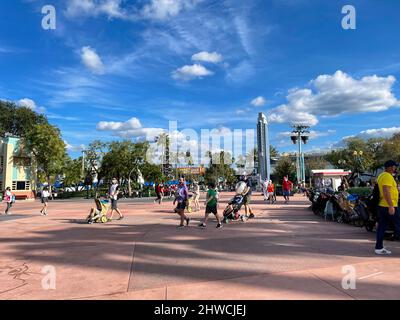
(219, 226)
(181, 226)
(187, 221)
(383, 251)
(251, 216)
(202, 225)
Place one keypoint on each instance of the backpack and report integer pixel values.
(375, 197)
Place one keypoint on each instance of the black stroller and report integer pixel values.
(231, 212)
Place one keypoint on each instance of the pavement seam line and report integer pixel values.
(331, 285)
(133, 255)
(131, 268)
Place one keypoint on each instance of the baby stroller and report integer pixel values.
(99, 213)
(189, 203)
(231, 212)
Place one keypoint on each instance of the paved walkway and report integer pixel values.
(285, 253)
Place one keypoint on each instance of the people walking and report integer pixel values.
(247, 197)
(211, 204)
(113, 194)
(388, 205)
(9, 200)
(44, 197)
(196, 196)
(271, 192)
(287, 186)
(159, 193)
(182, 198)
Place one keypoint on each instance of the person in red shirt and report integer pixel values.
(287, 186)
(160, 193)
(271, 192)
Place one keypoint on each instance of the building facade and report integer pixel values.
(263, 148)
(16, 169)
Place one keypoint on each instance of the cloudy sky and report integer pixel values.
(123, 68)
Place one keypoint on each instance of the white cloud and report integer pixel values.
(129, 129)
(92, 60)
(164, 9)
(29, 103)
(379, 133)
(333, 95)
(111, 8)
(74, 148)
(205, 56)
(258, 102)
(376, 133)
(313, 134)
(188, 73)
(369, 134)
(131, 124)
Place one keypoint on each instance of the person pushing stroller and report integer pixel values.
(231, 212)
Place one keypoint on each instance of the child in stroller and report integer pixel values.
(231, 212)
(99, 212)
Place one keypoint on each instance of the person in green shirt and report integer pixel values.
(388, 205)
(211, 206)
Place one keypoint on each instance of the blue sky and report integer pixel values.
(115, 68)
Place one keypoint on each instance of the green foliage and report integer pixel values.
(123, 160)
(220, 168)
(360, 191)
(72, 171)
(18, 121)
(315, 163)
(45, 143)
(360, 155)
(285, 167)
(152, 173)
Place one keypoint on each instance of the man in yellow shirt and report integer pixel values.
(388, 205)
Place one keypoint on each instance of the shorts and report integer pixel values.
(114, 204)
(271, 194)
(45, 200)
(247, 199)
(181, 206)
(286, 193)
(212, 209)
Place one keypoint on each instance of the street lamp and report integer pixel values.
(300, 135)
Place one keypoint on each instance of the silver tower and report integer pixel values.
(264, 163)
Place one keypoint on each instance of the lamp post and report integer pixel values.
(300, 135)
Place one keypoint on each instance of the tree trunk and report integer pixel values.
(129, 187)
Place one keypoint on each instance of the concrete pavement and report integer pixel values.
(285, 253)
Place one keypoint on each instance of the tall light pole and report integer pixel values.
(300, 135)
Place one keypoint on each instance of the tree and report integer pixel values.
(18, 121)
(123, 160)
(48, 149)
(315, 163)
(72, 172)
(390, 149)
(285, 167)
(273, 152)
(152, 173)
(220, 169)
